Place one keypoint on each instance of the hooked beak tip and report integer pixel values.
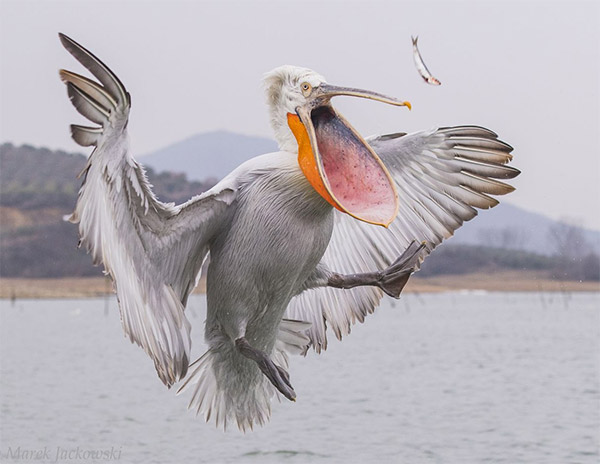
(408, 105)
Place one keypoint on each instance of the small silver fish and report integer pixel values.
(423, 71)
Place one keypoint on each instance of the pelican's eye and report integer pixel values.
(306, 88)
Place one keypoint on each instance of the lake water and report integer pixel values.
(438, 378)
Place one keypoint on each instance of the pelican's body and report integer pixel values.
(294, 237)
(284, 227)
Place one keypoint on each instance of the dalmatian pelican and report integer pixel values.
(301, 240)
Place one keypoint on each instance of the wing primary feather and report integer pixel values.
(86, 105)
(481, 142)
(484, 185)
(97, 92)
(496, 171)
(85, 136)
(476, 131)
(485, 156)
(102, 72)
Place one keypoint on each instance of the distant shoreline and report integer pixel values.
(506, 281)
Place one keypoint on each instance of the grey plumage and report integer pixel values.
(275, 244)
(438, 191)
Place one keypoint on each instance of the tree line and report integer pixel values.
(39, 186)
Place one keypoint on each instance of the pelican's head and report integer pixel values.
(288, 87)
(335, 159)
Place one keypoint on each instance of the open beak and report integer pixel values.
(327, 91)
(338, 162)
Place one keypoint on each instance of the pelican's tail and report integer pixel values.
(228, 387)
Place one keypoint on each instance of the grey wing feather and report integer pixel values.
(86, 105)
(441, 177)
(153, 251)
(109, 80)
(89, 87)
(86, 136)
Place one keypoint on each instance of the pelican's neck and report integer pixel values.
(283, 135)
(286, 141)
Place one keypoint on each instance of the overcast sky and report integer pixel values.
(528, 71)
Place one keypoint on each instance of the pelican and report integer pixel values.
(301, 240)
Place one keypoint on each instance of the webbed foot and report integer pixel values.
(393, 279)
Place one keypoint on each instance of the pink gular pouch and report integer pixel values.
(353, 175)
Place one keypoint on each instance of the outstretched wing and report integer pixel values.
(153, 251)
(441, 177)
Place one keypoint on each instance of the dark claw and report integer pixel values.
(284, 375)
(276, 375)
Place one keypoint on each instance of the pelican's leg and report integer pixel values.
(277, 375)
(391, 280)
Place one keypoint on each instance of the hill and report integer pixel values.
(38, 187)
(215, 154)
(508, 226)
(211, 155)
